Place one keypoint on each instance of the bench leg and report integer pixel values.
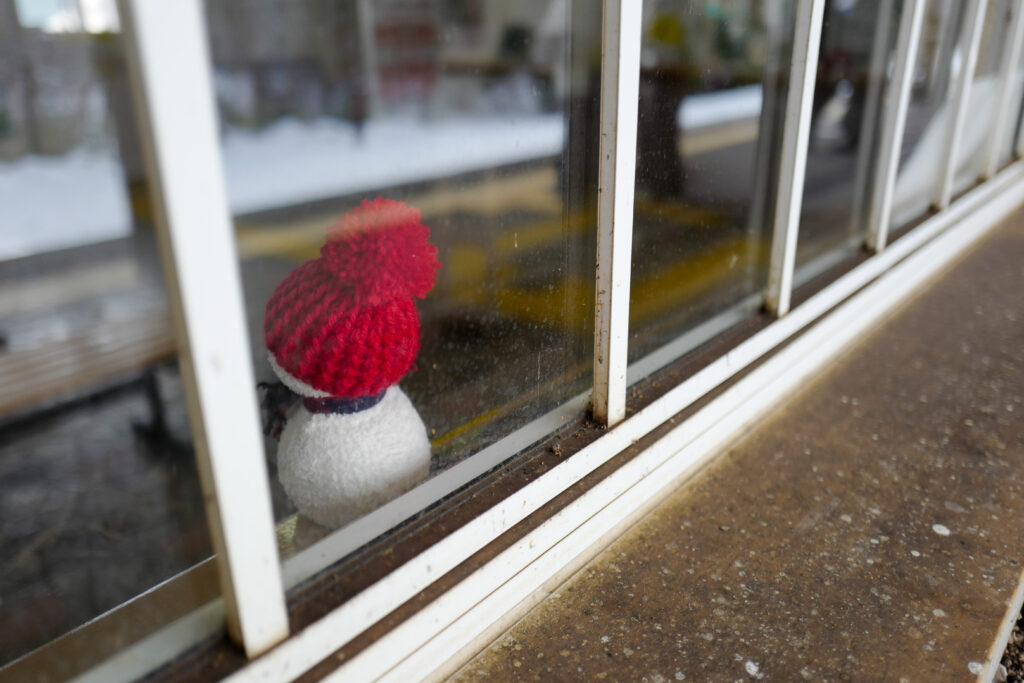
(156, 430)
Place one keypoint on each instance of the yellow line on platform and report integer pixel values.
(652, 294)
(464, 427)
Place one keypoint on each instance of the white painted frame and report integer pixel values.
(793, 163)
(600, 511)
(974, 21)
(170, 69)
(620, 95)
(877, 92)
(894, 120)
(1018, 141)
(1008, 66)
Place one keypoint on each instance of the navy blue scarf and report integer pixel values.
(277, 399)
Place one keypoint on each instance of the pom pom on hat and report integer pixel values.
(345, 323)
(379, 251)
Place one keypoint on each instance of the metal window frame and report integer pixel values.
(959, 99)
(217, 372)
(877, 92)
(620, 101)
(1018, 141)
(793, 162)
(165, 46)
(1008, 66)
(896, 103)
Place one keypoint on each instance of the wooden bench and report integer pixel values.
(90, 357)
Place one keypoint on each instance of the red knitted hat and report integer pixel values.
(345, 323)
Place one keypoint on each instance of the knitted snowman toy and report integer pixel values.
(341, 330)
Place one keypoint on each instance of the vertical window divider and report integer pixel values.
(894, 120)
(793, 163)
(620, 100)
(1018, 141)
(959, 100)
(1010, 59)
(173, 94)
(877, 93)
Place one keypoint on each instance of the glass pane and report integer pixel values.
(712, 94)
(436, 148)
(857, 47)
(99, 496)
(939, 57)
(984, 95)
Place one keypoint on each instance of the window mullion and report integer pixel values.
(1018, 144)
(897, 100)
(871, 126)
(793, 161)
(167, 55)
(959, 100)
(620, 95)
(1004, 104)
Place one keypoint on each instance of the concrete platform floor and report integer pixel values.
(873, 529)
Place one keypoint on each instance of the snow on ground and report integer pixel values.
(716, 108)
(290, 161)
(54, 202)
(919, 174)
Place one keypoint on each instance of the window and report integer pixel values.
(457, 118)
(629, 206)
(710, 116)
(857, 52)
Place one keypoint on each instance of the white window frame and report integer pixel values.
(894, 119)
(1006, 108)
(796, 132)
(167, 49)
(169, 64)
(620, 101)
(960, 96)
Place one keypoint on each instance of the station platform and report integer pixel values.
(870, 529)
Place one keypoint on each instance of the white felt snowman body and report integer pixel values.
(337, 467)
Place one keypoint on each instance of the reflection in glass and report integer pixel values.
(99, 496)
(857, 45)
(479, 115)
(712, 93)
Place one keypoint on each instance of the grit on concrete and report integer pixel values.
(873, 529)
